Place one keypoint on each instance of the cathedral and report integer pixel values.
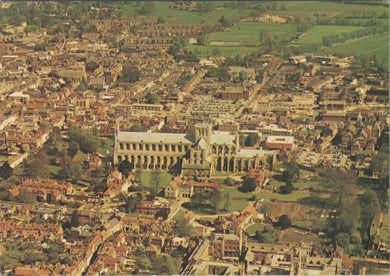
(197, 154)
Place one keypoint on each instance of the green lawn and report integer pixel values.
(251, 230)
(179, 215)
(384, 234)
(294, 196)
(106, 147)
(385, 219)
(147, 179)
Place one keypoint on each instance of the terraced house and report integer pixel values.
(196, 154)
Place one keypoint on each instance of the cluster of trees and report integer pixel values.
(365, 63)
(152, 98)
(161, 264)
(356, 212)
(252, 139)
(209, 199)
(248, 185)
(221, 72)
(131, 75)
(87, 142)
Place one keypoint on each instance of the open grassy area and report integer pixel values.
(384, 234)
(324, 8)
(179, 215)
(251, 230)
(315, 34)
(385, 219)
(181, 16)
(294, 196)
(106, 147)
(148, 179)
(378, 45)
(248, 32)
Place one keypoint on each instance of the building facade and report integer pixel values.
(197, 154)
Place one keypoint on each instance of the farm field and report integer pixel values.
(180, 16)
(378, 45)
(247, 32)
(315, 34)
(308, 8)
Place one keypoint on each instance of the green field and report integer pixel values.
(378, 45)
(181, 16)
(315, 34)
(248, 32)
(323, 8)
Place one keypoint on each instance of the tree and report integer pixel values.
(137, 128)
(182, 228)
(349, 216)
(287, 188)
(370, 204)
(242, 76)
(5, 170)
(248, 185)
(284, 222)
(125, 167)
(215, 198)
(162, 213)
(224, 22)
(73, 148)
(143, 261)
(251, 139)
(343, 240)
(130, 75)
(356, 238)
(267, 235)
(340, 182)
(229, 181)
(152, 98)
(291, 172)
(70, 169)
(74, 221)
(227, 201)
(165, 265)
(38, 166)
